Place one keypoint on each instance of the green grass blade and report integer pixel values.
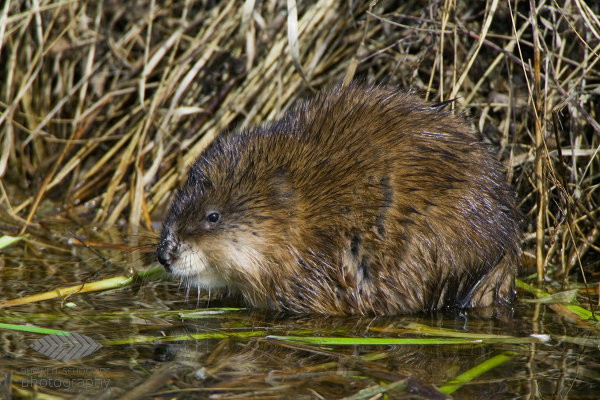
(346, 341)
(8, 240)
(473, 373)
(181, 338)
(104, 284)
(577, 310)
(34, 329)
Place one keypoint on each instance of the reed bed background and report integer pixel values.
(105, 104)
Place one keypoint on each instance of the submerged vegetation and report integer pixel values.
(105, 104)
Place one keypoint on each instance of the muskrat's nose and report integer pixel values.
(163, 257)
(166, 253)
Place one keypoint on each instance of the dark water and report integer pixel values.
(154, 346)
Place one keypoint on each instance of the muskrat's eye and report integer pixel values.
(213, 217)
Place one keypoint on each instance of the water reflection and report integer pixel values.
(153, 343)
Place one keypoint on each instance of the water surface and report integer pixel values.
(155, 344)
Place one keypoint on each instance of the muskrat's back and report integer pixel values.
(363, 200)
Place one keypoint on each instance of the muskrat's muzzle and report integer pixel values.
(167, 250)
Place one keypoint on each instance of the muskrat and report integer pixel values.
(365, 200)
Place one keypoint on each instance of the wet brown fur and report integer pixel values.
(362, 201)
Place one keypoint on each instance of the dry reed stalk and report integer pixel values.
(104, 105)
(539, 146)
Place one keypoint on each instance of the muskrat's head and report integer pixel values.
(225, 222)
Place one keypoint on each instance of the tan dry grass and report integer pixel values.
(103, 105)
